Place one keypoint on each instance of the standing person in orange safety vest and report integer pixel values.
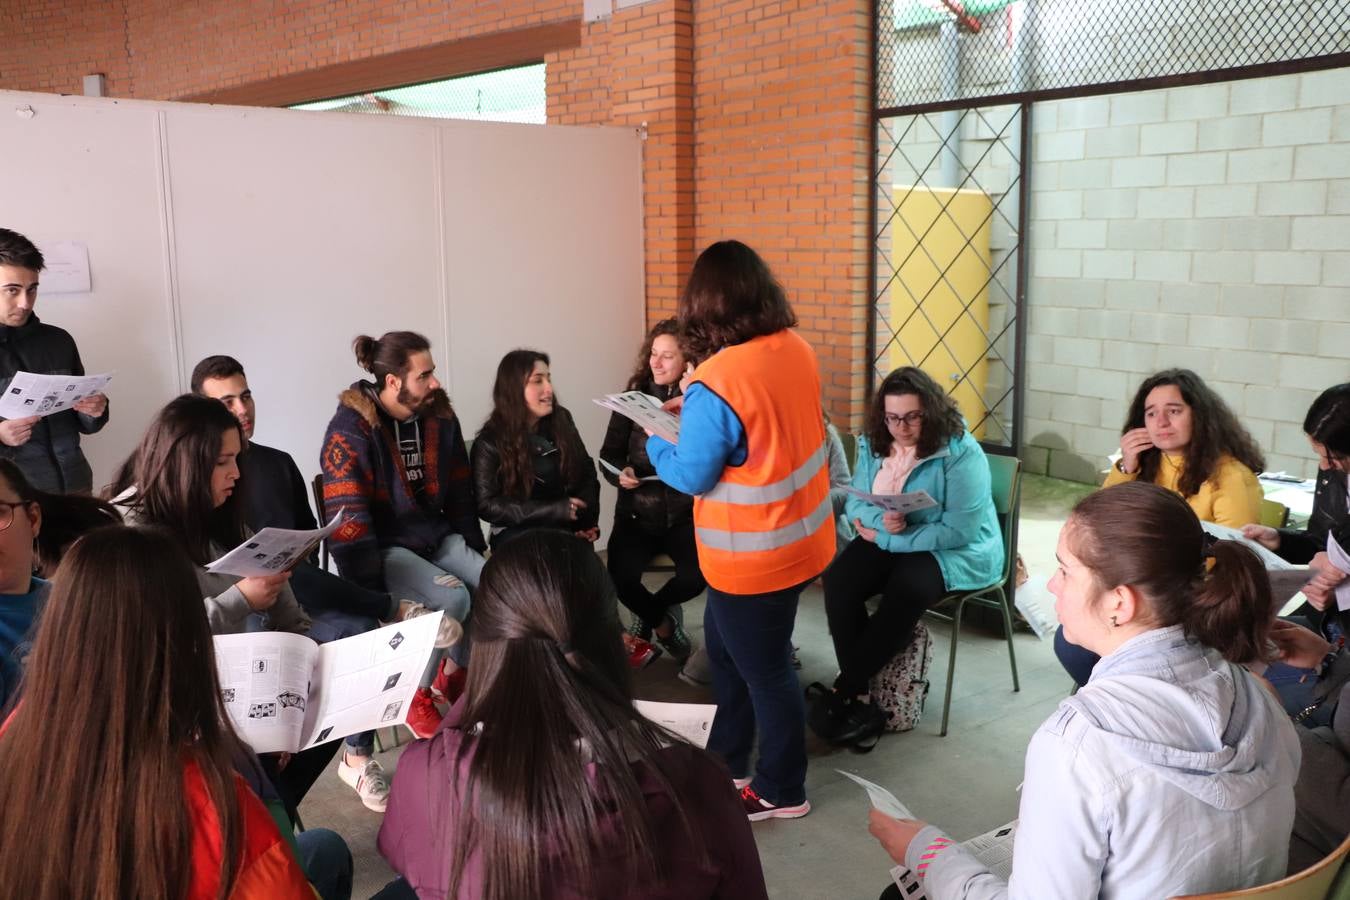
(752, 451)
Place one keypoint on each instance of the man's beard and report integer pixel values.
(431, 400)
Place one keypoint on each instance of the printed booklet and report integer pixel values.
(286, 693)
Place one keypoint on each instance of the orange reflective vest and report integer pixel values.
(766, 525)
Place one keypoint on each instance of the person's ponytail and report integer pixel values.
(364, 346)
(1233, 608)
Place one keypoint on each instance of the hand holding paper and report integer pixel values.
(896, 503)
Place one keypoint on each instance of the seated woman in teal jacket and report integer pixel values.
(915, 440)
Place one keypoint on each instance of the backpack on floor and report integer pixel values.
(901, 686)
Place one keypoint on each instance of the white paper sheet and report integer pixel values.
(882, 799)
(31, 394)
(273, 550)
(691, 721)
(912, 501)
(618, 471)
(993, 848)
(67, 270)
(645, 411)
(264, 681)
(1341, 560)
(1268, 559)
(366, 682)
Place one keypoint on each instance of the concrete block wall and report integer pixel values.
(1206, 227)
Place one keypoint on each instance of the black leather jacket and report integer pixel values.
(1329, 516)
(547, 504)
(653, 506)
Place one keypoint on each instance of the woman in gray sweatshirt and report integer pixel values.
(1172, 771)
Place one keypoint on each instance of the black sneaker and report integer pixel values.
(678, 644)
(640, 629)
(861, 724)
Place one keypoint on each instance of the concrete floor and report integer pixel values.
(966, 782)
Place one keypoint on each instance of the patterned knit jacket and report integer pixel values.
(364, 472)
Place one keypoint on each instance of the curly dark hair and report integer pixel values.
(731, 297)
(1215, 432)
(642, 370)
(941, 417)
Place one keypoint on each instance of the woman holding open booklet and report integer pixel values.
(1172, 772)
(916, 441)
(651, 517)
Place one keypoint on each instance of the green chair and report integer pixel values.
(1005, 474)
(1325, 880)
(1274, 514)
(850, 442)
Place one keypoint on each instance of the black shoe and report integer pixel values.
(825, 710)
(861, 726)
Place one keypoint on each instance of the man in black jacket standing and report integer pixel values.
(47, 449)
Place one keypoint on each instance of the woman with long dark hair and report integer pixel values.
(916, 440)
(651, 517)
(543, 780)
(1172, 771)
(1181, 435)
(530, 467)
(752, 452)
(1327, 425)
(182, 477)
(138, 795)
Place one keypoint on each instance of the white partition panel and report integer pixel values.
(277, 236)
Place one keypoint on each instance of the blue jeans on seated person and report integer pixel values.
(326, 862)
(410, 576)
(749, 643)
(1076, 660)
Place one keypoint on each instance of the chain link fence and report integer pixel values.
(943, 51)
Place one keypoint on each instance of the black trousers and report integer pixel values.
(631, 548)
(908, 583)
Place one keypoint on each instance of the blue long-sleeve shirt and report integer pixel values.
(711, 438)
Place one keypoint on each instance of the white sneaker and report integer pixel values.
(369, 782)
(448, 633)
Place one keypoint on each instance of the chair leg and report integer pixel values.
(1008, 632)
(951, 665)
(379, 744)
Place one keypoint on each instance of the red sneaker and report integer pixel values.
(449, 686)
(423, 716)
(757, 809)
(640, 653)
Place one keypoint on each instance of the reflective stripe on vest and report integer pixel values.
(751, 495)
(748, 541)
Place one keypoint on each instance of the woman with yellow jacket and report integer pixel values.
(1181, 436)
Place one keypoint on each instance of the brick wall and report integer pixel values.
(1206, 227)
(757, 113)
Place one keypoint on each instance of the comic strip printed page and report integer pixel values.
(264, 681)
(366, 682)
(272, 550)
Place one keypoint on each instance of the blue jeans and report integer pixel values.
(1076, 660)
(326, 862)
(412, 577)
(749, 642)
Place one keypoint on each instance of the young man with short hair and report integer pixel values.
(47, 449)
(276, 496)
(394, 457)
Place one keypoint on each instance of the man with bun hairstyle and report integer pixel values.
(394, 456)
